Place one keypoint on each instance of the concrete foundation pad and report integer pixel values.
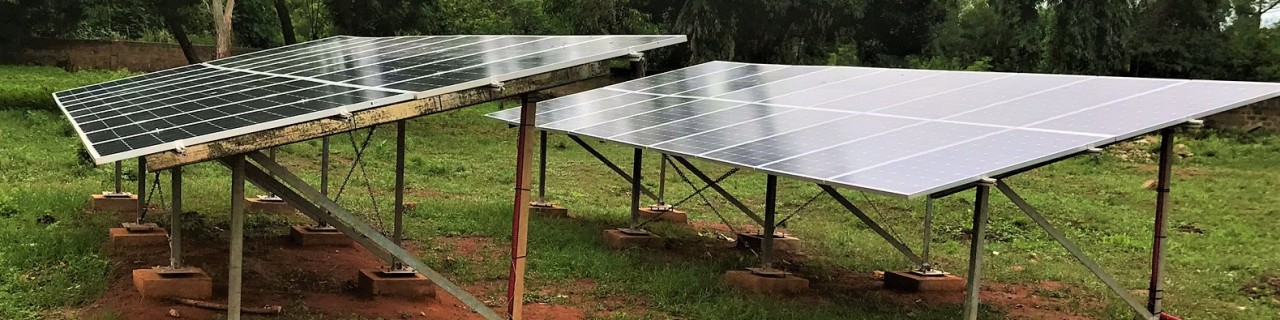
(671, 215)
(305, 236)
(152, 284)
(784, 244)
(373, 282)
(618, 240)
(269, 207)
(549, 210)
(748, 282)
(103, 203)
(122, 238)
(912, 282)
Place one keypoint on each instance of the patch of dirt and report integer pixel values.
(1265, 288)
(473, 248)
(1180, 171)
(1045, 300)
(302, 280)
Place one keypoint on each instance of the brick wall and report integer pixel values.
(1263, 116)
(105, 54)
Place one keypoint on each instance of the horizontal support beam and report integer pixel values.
(372, 117)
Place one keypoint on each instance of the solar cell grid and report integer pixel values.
(902, 132)
(276, 87)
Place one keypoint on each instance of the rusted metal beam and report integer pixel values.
(366, 118)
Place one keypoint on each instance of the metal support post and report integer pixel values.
(271, 197)
(119, 179)
(1075, 251)
(1155, 290)
(520, 216)
(542, 170)
(324, 177)
(926, 268)
(770, 213)
(974, 287)
(636, 164)
(142, 189)
(638, 66)
(175, 219)
(397, 233)
(903, 248)
(237, 237)
(662, 184)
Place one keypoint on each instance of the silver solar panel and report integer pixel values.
(901, 132)
(272, 88)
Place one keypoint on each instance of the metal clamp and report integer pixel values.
(635, 56)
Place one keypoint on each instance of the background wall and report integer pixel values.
(112, 55)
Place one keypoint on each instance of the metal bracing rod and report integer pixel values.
(237, 237)
(175, 218)
(1073, 249)
(716, 186)
(542, 167)
(397, 233)
(662, 181)
(142, 189)
(699, 191)
(520, 210)
(637, 157)
(979, 236)
(324, 174)
(770, 213)
(906, 251)
(119, 179)
(1155, 289)
(309, 200)
(610, 164)
(925, 265)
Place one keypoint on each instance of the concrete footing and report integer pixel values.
(749, 282)
(268, 207)
(669, 215)
(123, 238)
(307, 236)
(618, 240)
(375, 282)
(549, 210)
(195, 285)
(103, 203)
(783, 244)
(912, 282)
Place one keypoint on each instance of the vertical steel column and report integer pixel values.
(237, 237)
(324, 173)
(397, 234)
(175, 218)
(542, 167)
(119, 179)
(926, 266)
(1155, 291)
(638, 67)
(142, 189)
(272, 153)
(770, 211)
(520, 216)
(974, 287)
(662, 183)
(636, 164)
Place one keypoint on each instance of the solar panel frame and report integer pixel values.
(1029, 143)
(519, 66)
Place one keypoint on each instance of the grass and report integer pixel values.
(460, 169)
(30, 87)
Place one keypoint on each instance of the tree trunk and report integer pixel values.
(222, 26)
(169, 11)
(286, 22)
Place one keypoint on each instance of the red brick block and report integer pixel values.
(549, 210)
(671, 215)
(912, 282)
(748, 282)
(617, 240)
(102, 203)
(304, 236)
(122, 238)
(373, 282)
(784, 244)
(151, 284)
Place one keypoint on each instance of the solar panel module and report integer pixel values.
(900, 132)
(205, 102)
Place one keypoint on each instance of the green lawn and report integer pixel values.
(460, 167)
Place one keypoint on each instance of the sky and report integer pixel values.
(1271, 17)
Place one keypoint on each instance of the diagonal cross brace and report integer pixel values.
(1074, 250)
(311, 202)
(716, 186)
(611, 166)
(906, 251)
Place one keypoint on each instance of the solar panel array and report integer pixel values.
(896, 131)
(272, 88)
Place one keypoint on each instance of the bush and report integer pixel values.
(32, 87)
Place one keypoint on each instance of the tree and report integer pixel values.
(286, 23)
(173, 22)
(1090, 37)
(1018, 34)
(1180, 39)
(221, 10)
(385, 17)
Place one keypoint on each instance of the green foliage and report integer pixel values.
(944, 63)
(23, 19)
(1090, 37)
(25, 88)
(255, 24)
